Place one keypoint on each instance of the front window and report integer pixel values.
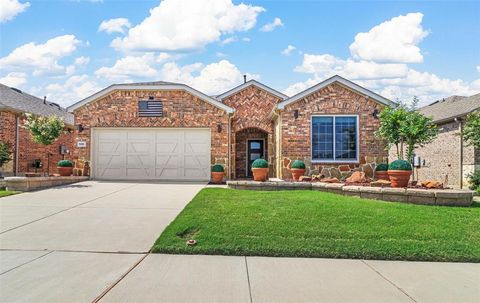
(334, 138)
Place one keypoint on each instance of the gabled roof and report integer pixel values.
(160, 85)
(342, 81)
(249, 83)
(15, 100)
(451, 107)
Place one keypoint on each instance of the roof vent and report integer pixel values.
(16, 89)
(44, 99)
(244, 78)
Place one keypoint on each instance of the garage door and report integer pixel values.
(151, 154)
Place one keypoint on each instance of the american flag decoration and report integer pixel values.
(150, 108)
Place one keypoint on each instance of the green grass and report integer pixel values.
(4, 193)
(317, 224)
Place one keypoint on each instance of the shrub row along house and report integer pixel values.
(170, 131)
(28, 156)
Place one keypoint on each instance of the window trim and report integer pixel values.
(315, 161)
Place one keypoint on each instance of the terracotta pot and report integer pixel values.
(297, 173)
(399, 178)
(260, 174)
(381, 175)
(217, 177)
(65, 171)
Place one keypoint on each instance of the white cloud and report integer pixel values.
(82, 60)
(188, 24)
(72, 90)
(221, 55)
(228, 40)
(395, 40)
(246, 39)
(14, 79)
(213, 78)
(118, 25)
(272, 26)
(288, 50)
(133, 66)
(478, 68)
(41, 58)
(10, 8)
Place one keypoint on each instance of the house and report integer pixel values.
(448, 157)
(164, 130)
(13, 105)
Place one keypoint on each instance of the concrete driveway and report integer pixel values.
(89, 242)
(72, 242)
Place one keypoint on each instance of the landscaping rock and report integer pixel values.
(335, 173)
(380, 183)
(357, 177)
(431, 184)
(330, 180)
(305, 179)
(367, 169)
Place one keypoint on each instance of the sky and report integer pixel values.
(68, 50)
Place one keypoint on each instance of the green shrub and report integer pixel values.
(474, 180)
(260, 163)
(5, 153)
(65, 163)
(217, 168)
(400, 165)
(381, 167)
(298, 164)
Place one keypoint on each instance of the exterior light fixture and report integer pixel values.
(219, 128)
(295, 113)
(375, 113)
(79, 128)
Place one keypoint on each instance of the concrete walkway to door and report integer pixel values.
(89, 242)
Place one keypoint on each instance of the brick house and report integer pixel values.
(163, 130)
(13, 105)
(448, 157)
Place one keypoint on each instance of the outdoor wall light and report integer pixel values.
(375, 113)
(295, 113)
(219, 128)
(79, 128)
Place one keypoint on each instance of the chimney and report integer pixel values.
(44, 99)
(244, 78)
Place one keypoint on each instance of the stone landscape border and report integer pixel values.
(36, 183)
(444, 197)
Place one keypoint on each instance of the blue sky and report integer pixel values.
(61, 49)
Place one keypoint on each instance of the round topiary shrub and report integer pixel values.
(217, 168)
(260, 163)
(381, 167)
(298, 164)
(400, 165)
(65, 163)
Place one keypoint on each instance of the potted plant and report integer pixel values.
(217, 173)
(297, 168)
(65, 167)
(399, 172)
(381, 171)
(260, 170)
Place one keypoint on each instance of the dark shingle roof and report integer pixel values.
(16, 100)
(451, 107)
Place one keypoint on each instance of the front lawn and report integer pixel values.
(318, 224)
(4, 193)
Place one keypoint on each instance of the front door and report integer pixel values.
(255, 150)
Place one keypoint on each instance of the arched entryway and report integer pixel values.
(250, 144)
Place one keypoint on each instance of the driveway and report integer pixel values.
(72, 242)
(89, 242)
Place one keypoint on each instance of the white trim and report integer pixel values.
(316, 161)
(183, 87)
(342, 81)
(254, 83)
(246, 152)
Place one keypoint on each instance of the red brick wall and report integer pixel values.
(28, 150)
(252, 109)
(333, 99)
(181, 109)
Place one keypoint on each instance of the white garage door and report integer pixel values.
(151, 153)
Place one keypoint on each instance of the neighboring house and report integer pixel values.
(448, 156)
(13, 105)
(162, 130)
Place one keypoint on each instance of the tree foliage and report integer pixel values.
(5, 153)
(406, 128)
(471, 129)
(44, 130)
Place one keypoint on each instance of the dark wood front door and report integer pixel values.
(255, 150)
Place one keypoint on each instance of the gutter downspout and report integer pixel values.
(17, 141)
(461, 150)
(279, 140)
(230, 164)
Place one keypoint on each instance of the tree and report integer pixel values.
(44, 130)
(5, 153)
(406, 128)
(471, 129)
